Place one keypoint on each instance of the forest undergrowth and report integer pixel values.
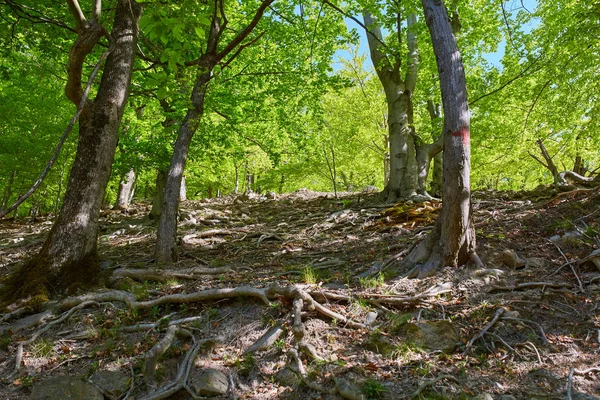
(300, 297)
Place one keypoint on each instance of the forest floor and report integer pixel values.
(339, 322)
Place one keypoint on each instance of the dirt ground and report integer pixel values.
(528, 325)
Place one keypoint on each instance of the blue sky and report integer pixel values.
(494, 58)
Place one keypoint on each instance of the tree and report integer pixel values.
(452, 241)
(213, 54)
(402, 182)
(69, 255)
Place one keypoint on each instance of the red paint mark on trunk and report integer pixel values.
(463, 134)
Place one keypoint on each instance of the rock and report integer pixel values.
(287, 377)
(379, 343)
(507, 397)
(65, 388)
(111, 383)
(370, 318)
(266, 340)
(483, 396)
(434, 335)
(536, 262)
(271, 195)
(211, 382)
(511, 259)
(567, 237)
(349, 390)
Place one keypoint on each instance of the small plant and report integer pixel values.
(346, 202)
(373, 390)
(93, 367)
(309, 276)
(373, 283)
(42, 348)
(154, 312)
(5, 341)
(245, 365)
(213, 314)
(279, 344)
(405, 350)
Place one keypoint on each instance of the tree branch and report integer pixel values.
(246, 31)
(58, 149)
(97, 11)
(77, 13)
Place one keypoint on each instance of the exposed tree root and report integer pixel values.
(161, 275)
(432, 382)
(183, 374)
(158, 350)
(486, 328)
(500, 315)
(301, 299)
(530, 285)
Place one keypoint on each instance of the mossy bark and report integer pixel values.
(69, 256)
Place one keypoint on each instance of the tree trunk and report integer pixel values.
(236, 184)
(166, 238)
(159, 194)
(402, 180)
(126, 189)
(60, 186)
(452, 241)
(183, 190)
(281, 183)
(427, 152)
(561, 179)
(7, 191)
(68, 257)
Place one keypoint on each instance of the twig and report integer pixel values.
(586, 371)
(529, 285)
(64, 316)
(432, 382)
(131, 385)
(527, 321)
(499, 313)
(570, 383)
(66, 133)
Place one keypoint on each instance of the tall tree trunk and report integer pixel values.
(126, 189)
(159, 194)
(68, 257)
(427, 152)
(402, 179)
(60, 186)
(452, 241)
(166, 237)
(183, 190)
(236, 185)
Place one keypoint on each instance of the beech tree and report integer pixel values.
(214, 53)
(452, 241)
(69, 255)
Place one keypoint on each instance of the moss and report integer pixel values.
(38, 280)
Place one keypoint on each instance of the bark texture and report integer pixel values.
(69, 254)
(402, 180)
(126, 190)
(452, 241)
